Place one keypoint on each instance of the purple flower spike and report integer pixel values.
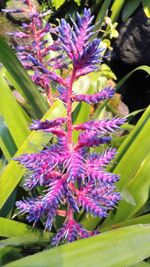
(89, 58)
(83, 30)
(75, 166)
(67, 176)
(92, 206)
(39, 125)
(85, 55)
(102, 176)
(101, 160)
(95, 98)
(71, 231)
(90, 139)
(103, 126)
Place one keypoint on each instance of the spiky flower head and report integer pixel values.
(72, 176)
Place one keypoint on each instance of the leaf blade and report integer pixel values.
(27, 88)
(120, 245)
(33, 143)
(12, 113)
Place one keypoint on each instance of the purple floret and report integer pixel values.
(95, 98)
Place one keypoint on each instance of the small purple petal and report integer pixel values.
(42, 125)
(102, 126)
(95, 98)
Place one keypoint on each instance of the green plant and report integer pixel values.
(128, 244)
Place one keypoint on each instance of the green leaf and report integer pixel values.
(10, 228)
(78, 2)
(144, 219)
(134, 153)
(137, 140)
(129, 8)
(82, 110)
(128, 197)
(138, 187)
(134, 113)
(100, 17)
(132, 162)
(106, 71)
(32, 238)
(117, 248)
(8, 207)
(58, 3)
(34, 142)
(141, 264)
(20, 234)
(7, 143)
(13, 114)
(9, 254)
(116, 8)
(120, 83)
(36, 104)
(126, 77)
(146, 7)
(2, 164)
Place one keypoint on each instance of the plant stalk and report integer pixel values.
(69, 111)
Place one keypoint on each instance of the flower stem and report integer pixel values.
(36, 37)
(69, 111)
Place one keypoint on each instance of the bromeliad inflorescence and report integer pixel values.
(72, 176)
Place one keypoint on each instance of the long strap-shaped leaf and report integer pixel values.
(100, 17)
(121, 82)
(134, 150)
(7, 143)
(138, 187)
(141, 264)
(34, 142)
(14, 116)
(133, 166)
(132, 162)
(10, 228)
(144, 219)
(118, 248)
(37, 105)
(116, 8)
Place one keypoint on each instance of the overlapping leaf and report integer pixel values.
(116, 248)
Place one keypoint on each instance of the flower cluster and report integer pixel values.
(72, 176)
(33, 48)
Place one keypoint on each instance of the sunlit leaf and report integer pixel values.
(116, 8)
(11, 228)
(34, 142)
(78, 2)
(132, 164)
(100, 17)
(146, 7)
(14, 116)
(117, 248)
(57, 3)
(141, 264)
(36, 104)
